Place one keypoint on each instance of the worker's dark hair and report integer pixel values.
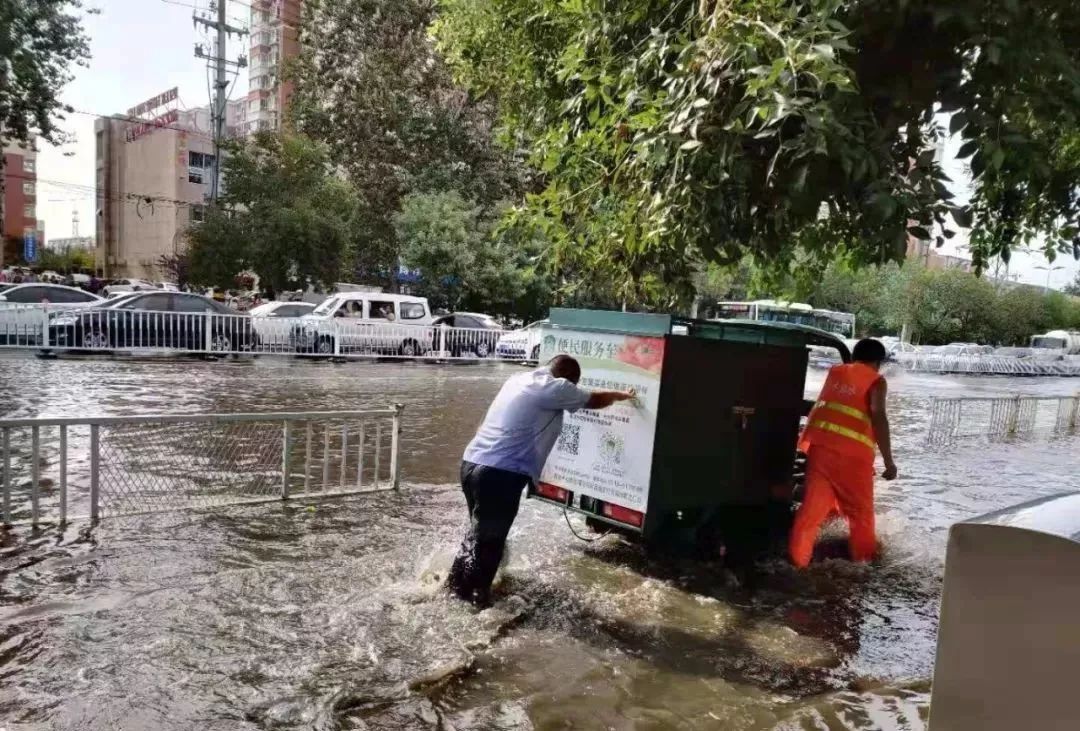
(868, 350)
(563, 366)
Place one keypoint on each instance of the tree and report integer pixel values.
(464, 264)
(39, 42)
(671, 131)
(68, 260)
(1073, 287)
(283, 215)
(378, 95)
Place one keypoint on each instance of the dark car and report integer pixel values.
(471, 334)
(154, 320)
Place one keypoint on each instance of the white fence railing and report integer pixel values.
(989, 365)
(952, 419)
(125, 465)
(110, 330)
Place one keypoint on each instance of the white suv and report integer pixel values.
(523, 344)
(368, 323)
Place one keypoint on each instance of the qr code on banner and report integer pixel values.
(569, 439)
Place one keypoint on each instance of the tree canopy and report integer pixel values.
(675, 132)
(39, 43)
(283, 214)
(371, 86)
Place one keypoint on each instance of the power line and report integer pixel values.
(93, 191)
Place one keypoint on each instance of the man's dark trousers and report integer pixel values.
(493, 497)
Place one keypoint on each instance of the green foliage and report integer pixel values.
(379, 96)
(39, 42)
(939, 306)
(1073, 287)
(69, 260)
(674, 131)
(463, 264)
(283, 215)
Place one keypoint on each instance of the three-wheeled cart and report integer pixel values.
(706, 456)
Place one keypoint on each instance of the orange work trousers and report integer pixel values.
(835, 481)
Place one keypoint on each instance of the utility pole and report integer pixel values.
(219, 63)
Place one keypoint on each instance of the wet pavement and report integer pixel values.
(330, 616)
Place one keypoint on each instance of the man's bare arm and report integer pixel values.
(603, 399)
(879, 418)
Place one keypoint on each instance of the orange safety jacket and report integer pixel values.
(840, 420)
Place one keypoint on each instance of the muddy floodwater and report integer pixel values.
(330, 616)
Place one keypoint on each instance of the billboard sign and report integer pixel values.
(141, 129)
(154, 103)
(608, 454)
(30, 247)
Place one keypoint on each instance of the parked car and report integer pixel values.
(366, 322)
(126, 285)
(523, 344)
(154, 320)
(273, 322)
(1010, 352)
(22, 308)
(472, 334)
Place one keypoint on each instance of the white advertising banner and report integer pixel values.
(607, 454)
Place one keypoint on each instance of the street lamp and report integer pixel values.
(1049, 270)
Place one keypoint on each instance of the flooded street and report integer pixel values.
(330, 615)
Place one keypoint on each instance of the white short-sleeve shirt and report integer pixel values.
(523, 422)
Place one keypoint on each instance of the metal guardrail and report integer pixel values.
(952, 419)
(126, 465)
(100, 330)
(989, 365)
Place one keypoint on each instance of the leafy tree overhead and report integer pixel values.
(675, 131)
(39, 43)
(283, 215)
(375, 91)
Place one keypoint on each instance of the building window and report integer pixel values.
(28, 188)
(198, 162)
(28, 166)
(198, 213)
(28, 212)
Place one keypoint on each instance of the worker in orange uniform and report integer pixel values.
(844, 426)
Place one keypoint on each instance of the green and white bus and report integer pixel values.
(839, 323)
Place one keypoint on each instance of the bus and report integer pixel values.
(838, 323)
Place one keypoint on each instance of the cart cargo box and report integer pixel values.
(710, 442)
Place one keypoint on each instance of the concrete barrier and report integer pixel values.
(1009, 637)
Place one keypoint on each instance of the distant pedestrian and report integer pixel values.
(507, 453)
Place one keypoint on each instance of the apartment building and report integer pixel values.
(274, 40)
(18, 204)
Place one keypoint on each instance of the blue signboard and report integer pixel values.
(30, 247)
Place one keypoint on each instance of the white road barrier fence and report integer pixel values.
(952, 419)
(125, 465)
(111, 330)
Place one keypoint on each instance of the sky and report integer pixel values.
(143, 47)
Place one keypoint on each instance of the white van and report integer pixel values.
(367, 322)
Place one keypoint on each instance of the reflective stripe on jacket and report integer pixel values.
(841, 418)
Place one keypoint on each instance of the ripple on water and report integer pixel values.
(283, 617)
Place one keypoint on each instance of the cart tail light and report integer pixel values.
(551, 492)
(623, 515)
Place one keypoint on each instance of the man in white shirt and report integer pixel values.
(509, 451)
